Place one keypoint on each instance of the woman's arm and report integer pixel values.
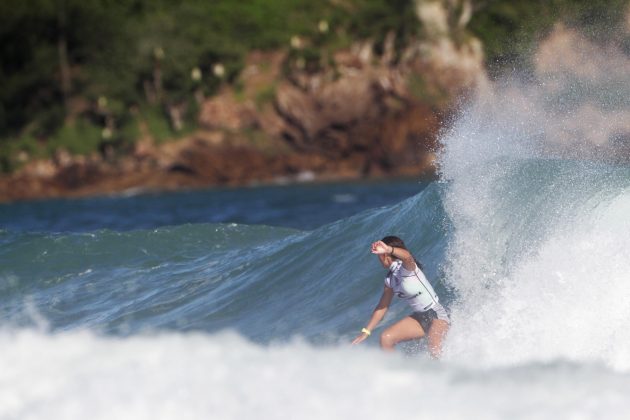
(379, 247)
(377, 315)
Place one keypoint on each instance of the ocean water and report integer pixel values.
(240, 304)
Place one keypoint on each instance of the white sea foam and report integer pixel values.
(567, 300)
(175, 376)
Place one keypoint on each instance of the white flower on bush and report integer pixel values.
(195, 74)
(296, 42)
(218, 70)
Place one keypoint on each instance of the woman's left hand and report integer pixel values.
(359, 339)
(379, 247)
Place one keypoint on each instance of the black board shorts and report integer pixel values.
(426, 318)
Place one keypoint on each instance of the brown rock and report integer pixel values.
(224, 111)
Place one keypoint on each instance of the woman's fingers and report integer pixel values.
(379, 247)
(359, 339)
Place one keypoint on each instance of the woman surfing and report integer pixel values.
(406, 280)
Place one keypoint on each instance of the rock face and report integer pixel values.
(357, 115)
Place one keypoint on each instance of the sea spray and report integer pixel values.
(539, 249)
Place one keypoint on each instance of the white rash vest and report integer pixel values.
(411, 286)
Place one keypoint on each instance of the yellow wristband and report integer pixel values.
(366, 331)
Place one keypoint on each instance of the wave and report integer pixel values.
(268, 283)
(527, 246)
(530, 255)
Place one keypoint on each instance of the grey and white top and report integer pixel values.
(411, 286)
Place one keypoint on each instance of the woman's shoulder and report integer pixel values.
(403, 272)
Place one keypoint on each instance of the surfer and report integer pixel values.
(406, 280)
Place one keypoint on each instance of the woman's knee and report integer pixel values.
(388, 340)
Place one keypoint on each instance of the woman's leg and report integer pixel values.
(436, 335)
(404, 330)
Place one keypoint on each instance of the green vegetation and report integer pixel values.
(157, 125)
(79, 138)
(70, 69)
(82, 74)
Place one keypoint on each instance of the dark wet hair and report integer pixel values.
(396, 242)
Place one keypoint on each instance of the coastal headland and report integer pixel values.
(338, 103)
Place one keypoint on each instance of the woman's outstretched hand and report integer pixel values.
(379, 247)
(359, 338)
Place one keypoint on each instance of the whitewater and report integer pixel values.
(526, 240)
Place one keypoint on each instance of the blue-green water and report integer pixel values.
(79, 264)
(301, 206)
